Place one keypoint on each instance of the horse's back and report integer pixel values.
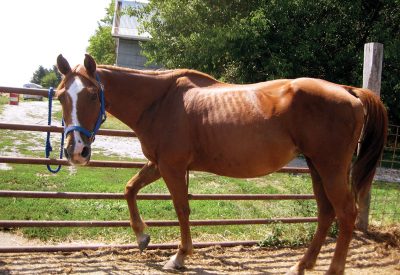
(251, 130)
(258, 128)
(237, 129)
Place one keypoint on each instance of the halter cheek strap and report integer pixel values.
(100, 119)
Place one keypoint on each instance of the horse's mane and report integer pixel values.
(155, 72)
(129, 70)
(173, 72)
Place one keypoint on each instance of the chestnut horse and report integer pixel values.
(186, 120)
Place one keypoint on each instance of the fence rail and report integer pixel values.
(25, 91)
(110, 164)
(118, 196)
(75, 248)
(391, 154)
(58, 129)
(150, 223)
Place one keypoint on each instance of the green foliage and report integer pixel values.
(3, 100)
(50, 80)
(287, 235)
(39, 74)
(46, 77)
(251, 41)
(102, 44)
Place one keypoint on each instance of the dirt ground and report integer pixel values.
(376, 253)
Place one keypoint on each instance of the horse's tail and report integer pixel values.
(372, 141)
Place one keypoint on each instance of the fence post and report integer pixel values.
(372, 71)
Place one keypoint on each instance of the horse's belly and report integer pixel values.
(245, 159)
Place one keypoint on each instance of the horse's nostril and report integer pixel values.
(85, 152)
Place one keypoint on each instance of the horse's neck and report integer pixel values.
(129, 94)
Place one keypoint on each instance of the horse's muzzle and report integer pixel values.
(78, 155)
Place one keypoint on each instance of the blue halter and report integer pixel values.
(100, 119)
(48, 148)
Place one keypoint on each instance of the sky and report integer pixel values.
(35, 32)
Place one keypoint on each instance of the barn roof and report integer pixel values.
(125, 26)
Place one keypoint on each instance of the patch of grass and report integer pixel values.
(113, 180)
(115, 124)
(86, 179)
(3, 100)
(286, 235)
(385, 201)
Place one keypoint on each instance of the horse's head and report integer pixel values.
(82, 99)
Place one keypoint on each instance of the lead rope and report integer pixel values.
(48, 148)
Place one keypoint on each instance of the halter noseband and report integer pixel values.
(100, 119)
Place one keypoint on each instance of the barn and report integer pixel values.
(128, 36)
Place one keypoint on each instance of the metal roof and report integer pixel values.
(125, 26)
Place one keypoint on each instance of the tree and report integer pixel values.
(46, 77)
(102, 44)
(38, 75)
(250, 41)
(50, 80)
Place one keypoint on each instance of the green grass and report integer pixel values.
(113, 180)
(384, 208)
(24, 177)
(115, 124)
(3, 100)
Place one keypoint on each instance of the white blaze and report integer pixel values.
(73, 91)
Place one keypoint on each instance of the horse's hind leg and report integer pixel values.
(326, 216)
(343, 201)
(335, 181)
(148, 174)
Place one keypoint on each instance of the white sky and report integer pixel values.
(34, 32)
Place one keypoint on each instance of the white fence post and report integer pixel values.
(372, 72)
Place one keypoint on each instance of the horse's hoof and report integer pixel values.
(143, 242)
(173, 264)
(294, 270)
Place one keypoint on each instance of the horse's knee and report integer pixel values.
(129, 191)
(183, 210)
(132, 187)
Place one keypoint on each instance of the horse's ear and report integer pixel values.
(90, 64)
(63, 65)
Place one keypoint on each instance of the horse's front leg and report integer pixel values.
(177, 186)
(148, 174)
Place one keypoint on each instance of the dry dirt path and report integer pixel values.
(366, 256)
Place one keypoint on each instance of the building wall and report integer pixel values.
(128, 55)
